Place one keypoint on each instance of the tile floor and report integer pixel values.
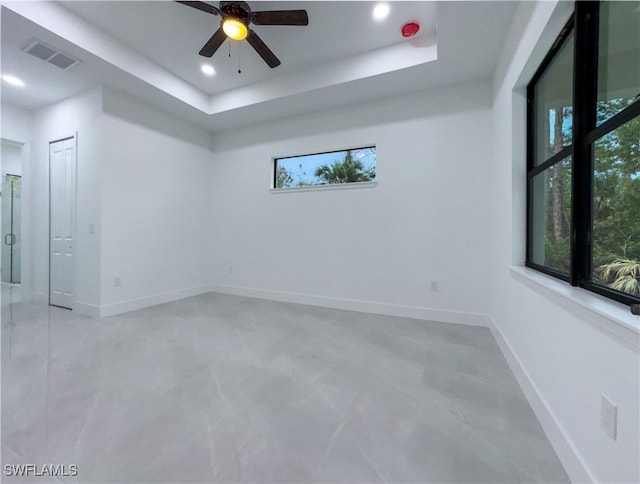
(221, 388)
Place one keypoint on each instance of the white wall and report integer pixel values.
(156, 206)
(79, 115)
(371, 249)
(16, 124)
(565, 355)
(143, 184)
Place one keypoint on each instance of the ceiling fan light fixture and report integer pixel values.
(236, 18)
(235, 29)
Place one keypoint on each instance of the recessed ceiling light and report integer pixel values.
(13, 80)
(208, 69)
(380, 11)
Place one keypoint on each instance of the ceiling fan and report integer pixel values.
(234, 24)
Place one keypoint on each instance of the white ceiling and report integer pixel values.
(329, 36)
(150, 50)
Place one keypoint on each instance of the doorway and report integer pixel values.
(62, 222)
(11, 212)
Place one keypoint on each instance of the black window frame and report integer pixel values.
(329, 152)
(584, 24)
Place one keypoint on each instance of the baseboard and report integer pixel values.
(85, 309)
(387, 309)
(143, 302)
(81, 308)
(570, 457)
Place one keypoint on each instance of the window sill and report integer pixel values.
(317, 188)
(611, 317)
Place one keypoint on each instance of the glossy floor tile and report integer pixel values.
(221, 388)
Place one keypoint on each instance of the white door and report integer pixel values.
(62, 209)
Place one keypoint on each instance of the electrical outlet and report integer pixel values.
(609, 417)
(92, 228)
(434, 286)
(230, 269)
(117, 282)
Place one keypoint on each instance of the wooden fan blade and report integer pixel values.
(213, 43)
(281, 17)
(263, 51)
(205, 7)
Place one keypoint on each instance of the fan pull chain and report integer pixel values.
(229, 43)
(239, 58)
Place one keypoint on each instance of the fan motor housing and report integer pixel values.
(237, 10)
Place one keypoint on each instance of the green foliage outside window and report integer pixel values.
(616, 208)
(337, 167)
(349, 170)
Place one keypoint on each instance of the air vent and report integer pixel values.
(50, 55)
(62, 61)
(41, 51)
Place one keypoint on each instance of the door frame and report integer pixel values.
(73, 136)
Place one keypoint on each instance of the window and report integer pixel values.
(335, 167)
(583, 153)
(550, 176)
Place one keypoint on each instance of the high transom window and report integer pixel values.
(330, 168)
